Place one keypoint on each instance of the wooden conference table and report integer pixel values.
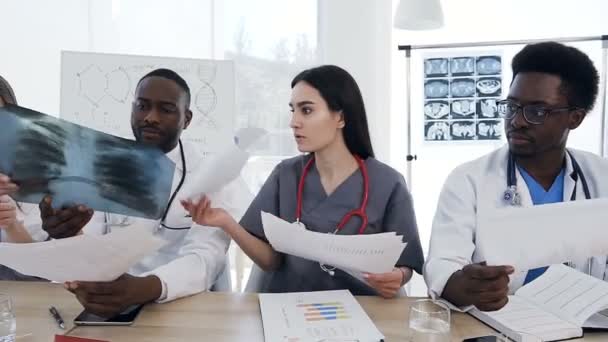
(212, 316)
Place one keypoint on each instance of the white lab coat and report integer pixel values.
(192, 259)
(477, 187)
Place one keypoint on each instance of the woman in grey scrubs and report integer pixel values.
(11, 229)
(330, 125)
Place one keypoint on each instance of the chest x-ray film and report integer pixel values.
(78, 165)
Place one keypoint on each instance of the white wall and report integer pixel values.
(356, 35)
(488, 20)
(178, 28)
(36, 31)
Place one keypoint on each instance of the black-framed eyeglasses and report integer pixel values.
(533, 114)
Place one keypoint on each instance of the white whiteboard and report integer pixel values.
(97, 91)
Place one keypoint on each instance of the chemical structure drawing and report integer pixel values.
(98, 86)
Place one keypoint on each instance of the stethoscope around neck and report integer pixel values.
(125, 221)
(361, 211)
(512, 196)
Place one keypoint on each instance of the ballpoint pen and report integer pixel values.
(57, 317)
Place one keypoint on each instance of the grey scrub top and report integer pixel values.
(389, 209)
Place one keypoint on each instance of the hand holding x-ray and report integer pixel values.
(64, 222)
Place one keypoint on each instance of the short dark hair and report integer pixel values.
(173, 76)
(6, 92)
(341, 92)
(576, 70)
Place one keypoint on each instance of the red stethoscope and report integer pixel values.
(360, 212)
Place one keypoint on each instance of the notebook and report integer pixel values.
(555, 306)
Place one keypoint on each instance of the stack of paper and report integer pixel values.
(316, 316)
(83, 257)
(373, 253)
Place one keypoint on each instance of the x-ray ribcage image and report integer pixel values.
(42, 148)
(77, 165)
(118, 169)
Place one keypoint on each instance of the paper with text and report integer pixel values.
(567, 293)
(522, 321)
(373, 253)
(224, 167)
(315, 316)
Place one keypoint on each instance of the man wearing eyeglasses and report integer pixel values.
(193, 257)
(553, 89)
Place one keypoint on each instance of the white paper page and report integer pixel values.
(375, 253)
(246, 137)
(523, 321)
(83, 257)
(224, 167)
(597, 321)
(542, 235)
(315, 316)
(568, 293)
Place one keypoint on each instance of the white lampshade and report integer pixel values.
(419, 15)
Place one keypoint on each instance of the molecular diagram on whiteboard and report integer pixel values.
(112, 89)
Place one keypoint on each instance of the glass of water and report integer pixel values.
(429, 321)
(8, 323)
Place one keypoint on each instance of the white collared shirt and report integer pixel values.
(193, 258)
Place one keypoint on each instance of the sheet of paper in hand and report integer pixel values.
(78, 165)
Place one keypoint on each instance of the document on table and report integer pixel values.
(543, 235)
(83, 257)
(371, 253)
(316, 316)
